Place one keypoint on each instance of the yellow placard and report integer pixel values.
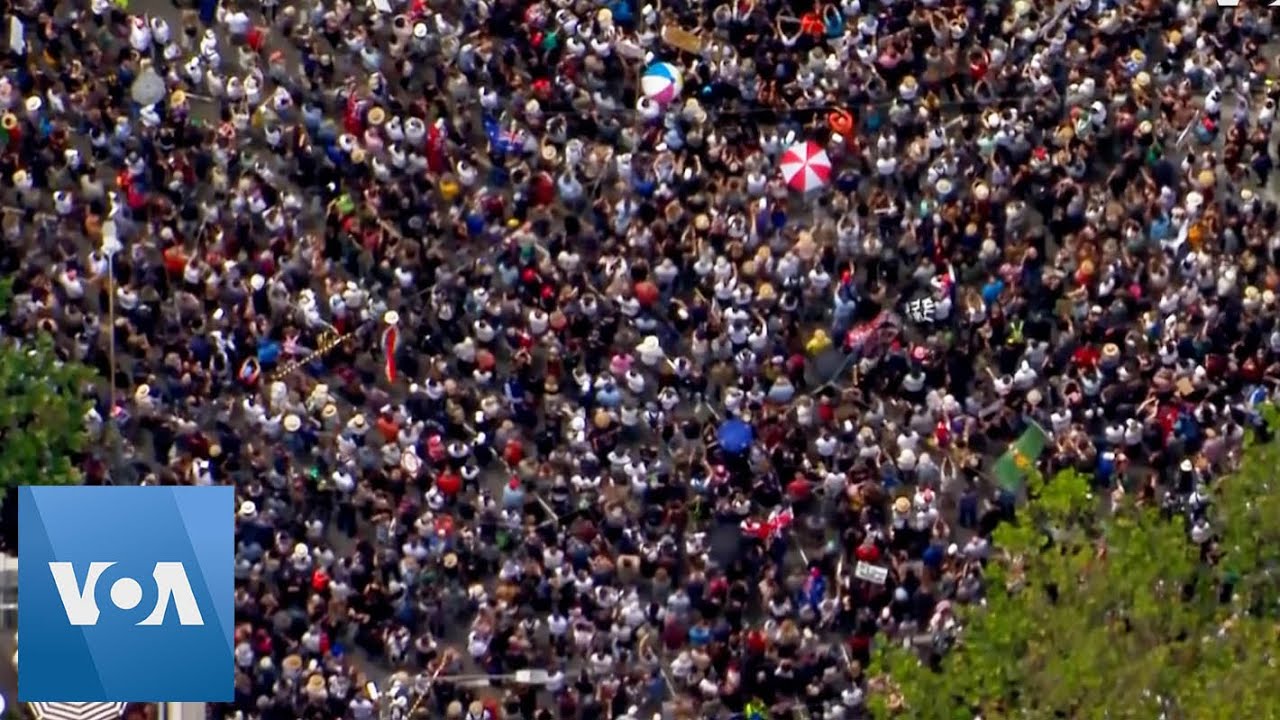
(682, 39)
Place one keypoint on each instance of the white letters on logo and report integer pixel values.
(171, 586)
(80, 606)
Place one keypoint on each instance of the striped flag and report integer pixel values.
(390, 341)
(858, 336)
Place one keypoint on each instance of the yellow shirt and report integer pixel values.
(818, 342)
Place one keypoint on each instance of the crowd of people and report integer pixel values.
(526, 373)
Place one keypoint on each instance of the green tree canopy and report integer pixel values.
(1115, 614)
(42, 409)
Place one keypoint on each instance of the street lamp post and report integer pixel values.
(110, 246)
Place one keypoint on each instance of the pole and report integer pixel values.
(111, 326)
(110, 246)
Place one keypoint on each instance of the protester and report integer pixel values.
(523, 352)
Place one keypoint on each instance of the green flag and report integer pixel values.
(1013, 466)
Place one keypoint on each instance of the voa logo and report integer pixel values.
(79, 598)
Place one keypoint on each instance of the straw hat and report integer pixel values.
(450, 561)
(549, 152)
(358, 421)
(391, 317)
(329, 411)
(1145, 127)
(377, 116)
(292, 664)
(1111, 351)
(292, 423)
(902, 505)
(1206, 178)
(248, 510)
(34, 103)
(909, 86)
(316, 683)
(142, 393)
(1034, 397)
(177, 98)
(649, 345)
(410, 462)
(981, 191)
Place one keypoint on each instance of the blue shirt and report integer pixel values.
(991, 291)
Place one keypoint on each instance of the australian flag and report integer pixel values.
(508, 141)
(815, 588)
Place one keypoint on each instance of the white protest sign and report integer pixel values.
(17, 37)
(922, 310)
(870, 573)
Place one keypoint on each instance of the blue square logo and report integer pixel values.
(126, 594)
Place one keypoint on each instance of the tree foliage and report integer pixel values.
(1116, 614)
(42, 411)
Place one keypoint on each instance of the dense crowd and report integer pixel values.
(527, 348)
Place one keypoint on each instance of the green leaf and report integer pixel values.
(42, 411)
(1120, 641)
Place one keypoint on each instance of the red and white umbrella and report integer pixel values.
(805, 166)
(78, 710)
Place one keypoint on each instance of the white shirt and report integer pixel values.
(362, 708)
(237, 22)
(557, 625)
